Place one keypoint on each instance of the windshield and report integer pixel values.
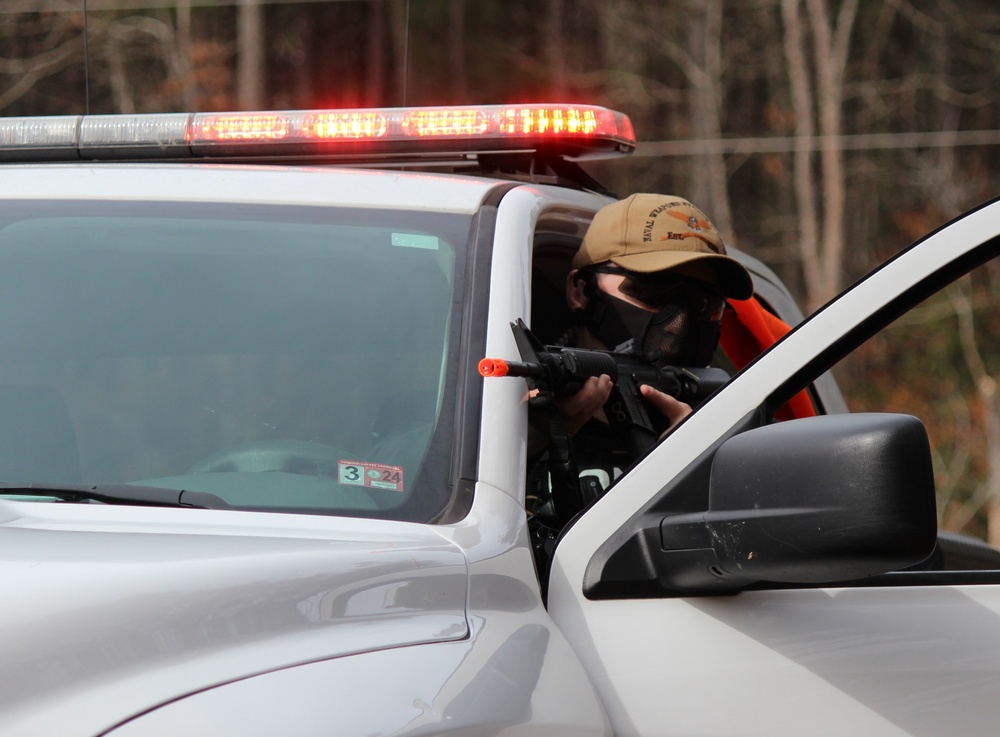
(282, 358)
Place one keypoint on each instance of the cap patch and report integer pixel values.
(695, 225)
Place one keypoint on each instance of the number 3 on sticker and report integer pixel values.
(371, 475)
(351, 474)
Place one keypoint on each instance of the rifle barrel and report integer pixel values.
(497, 367)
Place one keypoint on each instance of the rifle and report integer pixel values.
(558, 371)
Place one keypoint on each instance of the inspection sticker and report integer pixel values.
(372, 475)
(415, 240)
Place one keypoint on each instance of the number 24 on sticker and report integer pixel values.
(372, 475)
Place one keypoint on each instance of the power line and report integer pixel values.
(788, 144)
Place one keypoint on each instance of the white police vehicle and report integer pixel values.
(254, 485)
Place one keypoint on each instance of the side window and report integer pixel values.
(941, 362)
(551, 263)
(557, 239)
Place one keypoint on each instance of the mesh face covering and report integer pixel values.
(673, 336)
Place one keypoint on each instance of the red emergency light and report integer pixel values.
(568, 131)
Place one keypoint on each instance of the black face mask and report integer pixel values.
(673, 336)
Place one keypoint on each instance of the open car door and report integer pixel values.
(754, 576)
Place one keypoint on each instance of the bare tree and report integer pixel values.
(56, 46)
(376, 57)
(970, 481)
(641, 36)
(184, 48)
(399, 32)
(988, 496)
(456, 50)
(250, 40)
(137, 61)
(704, 67)
(825, 50)
(555, 47)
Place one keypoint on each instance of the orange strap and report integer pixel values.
(748, 329)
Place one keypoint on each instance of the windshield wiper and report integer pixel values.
(145, 496)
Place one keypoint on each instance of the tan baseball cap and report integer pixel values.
(654, 232)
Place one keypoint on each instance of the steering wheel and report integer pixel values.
(290, 456)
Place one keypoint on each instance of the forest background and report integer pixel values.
(821, 136)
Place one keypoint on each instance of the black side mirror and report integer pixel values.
(823, 499)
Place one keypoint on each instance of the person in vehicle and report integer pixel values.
(650, 278)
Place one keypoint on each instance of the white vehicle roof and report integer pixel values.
(272, 185)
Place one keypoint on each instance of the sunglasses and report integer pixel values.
(661, 290)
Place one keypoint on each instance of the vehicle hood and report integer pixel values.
(111, 611)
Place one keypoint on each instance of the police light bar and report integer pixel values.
(569, 131)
